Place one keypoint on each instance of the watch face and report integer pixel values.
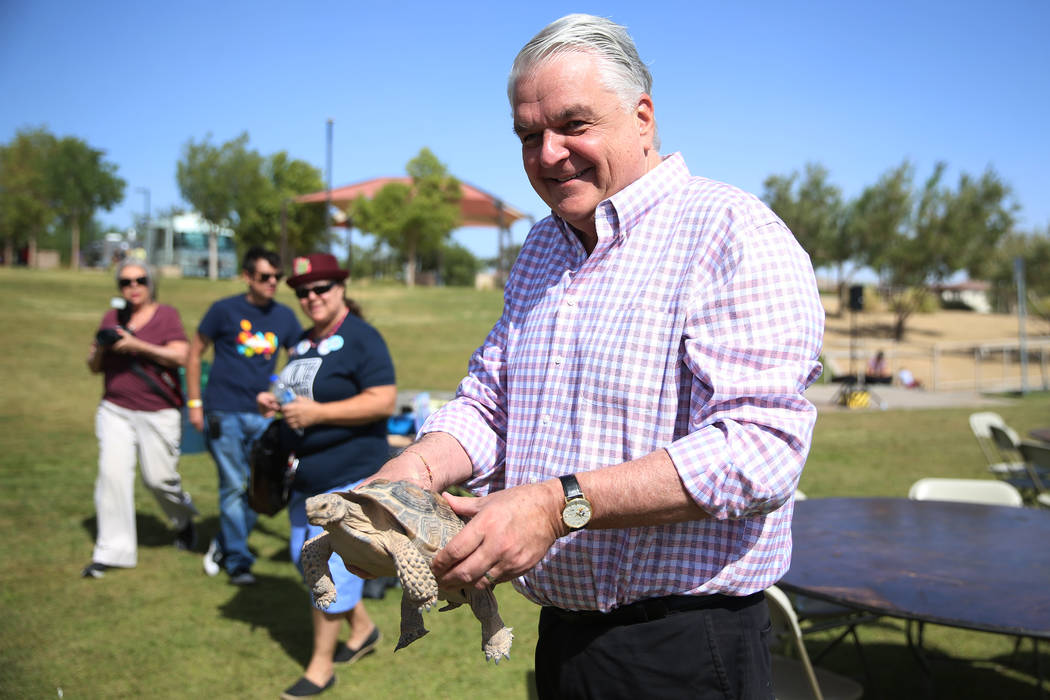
(576, 513)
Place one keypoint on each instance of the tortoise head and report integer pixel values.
(325, 508)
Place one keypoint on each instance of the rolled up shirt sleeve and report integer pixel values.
(751, 343)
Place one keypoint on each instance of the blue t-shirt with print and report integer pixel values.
(338, 367)
(246, 339)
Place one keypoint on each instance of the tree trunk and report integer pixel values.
(31, 255)
(410, 266)
(74, 246)
(9, 252)
(213, 254)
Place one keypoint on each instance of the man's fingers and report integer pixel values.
(465, 507)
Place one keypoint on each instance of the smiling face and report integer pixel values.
(323, 301)
(579, 145)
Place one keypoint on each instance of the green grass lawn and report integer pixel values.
(166, 630)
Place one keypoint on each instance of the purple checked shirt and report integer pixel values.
(694, 326)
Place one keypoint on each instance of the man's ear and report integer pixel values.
(645, 117)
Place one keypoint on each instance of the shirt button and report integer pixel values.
(546, 420)
(557, 359)
(570, 301)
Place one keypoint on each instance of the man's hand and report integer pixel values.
(506, 534)
(196, 416)
(267, 403)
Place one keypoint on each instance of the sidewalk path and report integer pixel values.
(900, 398)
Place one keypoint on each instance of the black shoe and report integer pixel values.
(95, 570)
(303, 688)
(186, 539)
(242, 577)
(346, 655)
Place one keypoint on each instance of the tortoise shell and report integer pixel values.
(424, 516)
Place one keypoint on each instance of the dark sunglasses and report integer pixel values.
(267, 276)
(319, 289)
(127, 281)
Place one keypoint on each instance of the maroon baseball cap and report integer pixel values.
(316, 266)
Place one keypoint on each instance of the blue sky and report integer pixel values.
(743, 90)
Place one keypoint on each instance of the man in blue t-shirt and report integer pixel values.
(247, 331)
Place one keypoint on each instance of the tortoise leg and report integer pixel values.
(413, 569)
(314, 558)
(496, 637)
(411, 622)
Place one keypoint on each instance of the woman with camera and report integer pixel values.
(138, 349)
(343, 379)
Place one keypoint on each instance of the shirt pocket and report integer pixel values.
(633, 359)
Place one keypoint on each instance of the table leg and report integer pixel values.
(915, 644)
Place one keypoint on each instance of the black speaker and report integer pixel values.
(856, 297)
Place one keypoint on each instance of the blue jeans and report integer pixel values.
(231, 450)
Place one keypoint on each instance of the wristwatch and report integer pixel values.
(577, 511)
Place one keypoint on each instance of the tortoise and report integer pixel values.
(395, 527)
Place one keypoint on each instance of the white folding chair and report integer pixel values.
(1002, 465)
(1037, 461)
(987, 491)
(798, 678)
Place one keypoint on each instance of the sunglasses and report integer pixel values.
(267, 276)
(128, 281)
(319, 289)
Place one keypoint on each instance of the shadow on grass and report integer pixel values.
(281, 607)
(895, 672)
(154, 532)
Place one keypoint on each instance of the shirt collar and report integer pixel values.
(617, 215)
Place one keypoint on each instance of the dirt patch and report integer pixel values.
(938, 348)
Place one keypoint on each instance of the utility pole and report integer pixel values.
(145, 225)
(1022, 313)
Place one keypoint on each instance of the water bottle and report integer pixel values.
(284, 393)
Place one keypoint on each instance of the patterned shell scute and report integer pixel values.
(426, 517)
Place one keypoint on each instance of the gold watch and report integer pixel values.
(577, 511)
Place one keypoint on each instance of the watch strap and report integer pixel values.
(570, 486)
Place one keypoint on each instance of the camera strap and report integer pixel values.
(140, 371)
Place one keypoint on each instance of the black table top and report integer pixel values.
(958, 564)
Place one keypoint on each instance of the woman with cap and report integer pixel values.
(138, 348)
(343, 379)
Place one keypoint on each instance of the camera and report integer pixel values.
(107, 336)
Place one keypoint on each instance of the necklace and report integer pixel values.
(336, 326)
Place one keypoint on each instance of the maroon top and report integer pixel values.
(126, 388)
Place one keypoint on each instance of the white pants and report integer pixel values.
(153, 438)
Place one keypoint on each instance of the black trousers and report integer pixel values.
(672, 647)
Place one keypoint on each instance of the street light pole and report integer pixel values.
(328, 175)
(145, 225)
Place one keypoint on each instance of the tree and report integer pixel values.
(1033, 249)
(223, 183)
(24, 208)
(46, 182)
(456, 264)
(416, 217)
(946, 232)
(275, 220)
(80, 183)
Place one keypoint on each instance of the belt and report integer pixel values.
(656, 608)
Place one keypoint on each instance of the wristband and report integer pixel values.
(194, 403)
